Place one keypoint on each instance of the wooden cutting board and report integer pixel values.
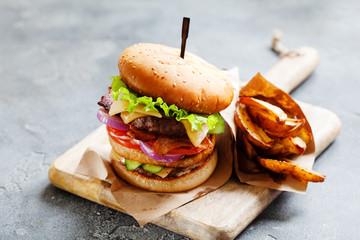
(224, 213)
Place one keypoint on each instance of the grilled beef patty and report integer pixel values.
(159, 126)
(149, 125)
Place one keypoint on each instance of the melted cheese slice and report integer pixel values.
(128, 117)
(196, 137)
(120, 106)
(164, 172)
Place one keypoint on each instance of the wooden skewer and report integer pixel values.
(184, 35)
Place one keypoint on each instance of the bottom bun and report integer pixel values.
(175, 184)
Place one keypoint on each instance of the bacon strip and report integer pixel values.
(141, 135)
(106, 100)
(163, 145)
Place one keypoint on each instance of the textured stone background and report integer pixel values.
(56, 58)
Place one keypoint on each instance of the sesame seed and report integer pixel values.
(134, 66)
(132, 77)
(174, 84)
(181, 99)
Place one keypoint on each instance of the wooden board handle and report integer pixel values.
(293, 68)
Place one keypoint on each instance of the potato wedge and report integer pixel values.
(246, 155)
(263, 135)
(289, 128)
(305, 135)
(275, 150)
(249, 149)
(286, 166)
(263, 118)
(245, 123)
(292, 145)
(273, 110)
(308, 174)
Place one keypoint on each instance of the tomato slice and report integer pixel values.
(191, 151)
(122, 138)
(125, 140)
(205, 144)
(116, 131)
(186, 151)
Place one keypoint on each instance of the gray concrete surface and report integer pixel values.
(56, 58)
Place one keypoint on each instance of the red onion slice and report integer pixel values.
(168, 158)
(112, 121)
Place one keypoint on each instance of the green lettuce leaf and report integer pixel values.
(117, 83)
(196, 120)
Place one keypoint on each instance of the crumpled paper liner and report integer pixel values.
(146, 206)
(143, 205)
(259, 87)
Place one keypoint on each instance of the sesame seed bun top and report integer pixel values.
(191, 83)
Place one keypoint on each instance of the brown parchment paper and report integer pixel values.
(143, 205)
(146, 206)
(259, 87)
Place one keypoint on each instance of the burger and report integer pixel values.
(162, 117)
